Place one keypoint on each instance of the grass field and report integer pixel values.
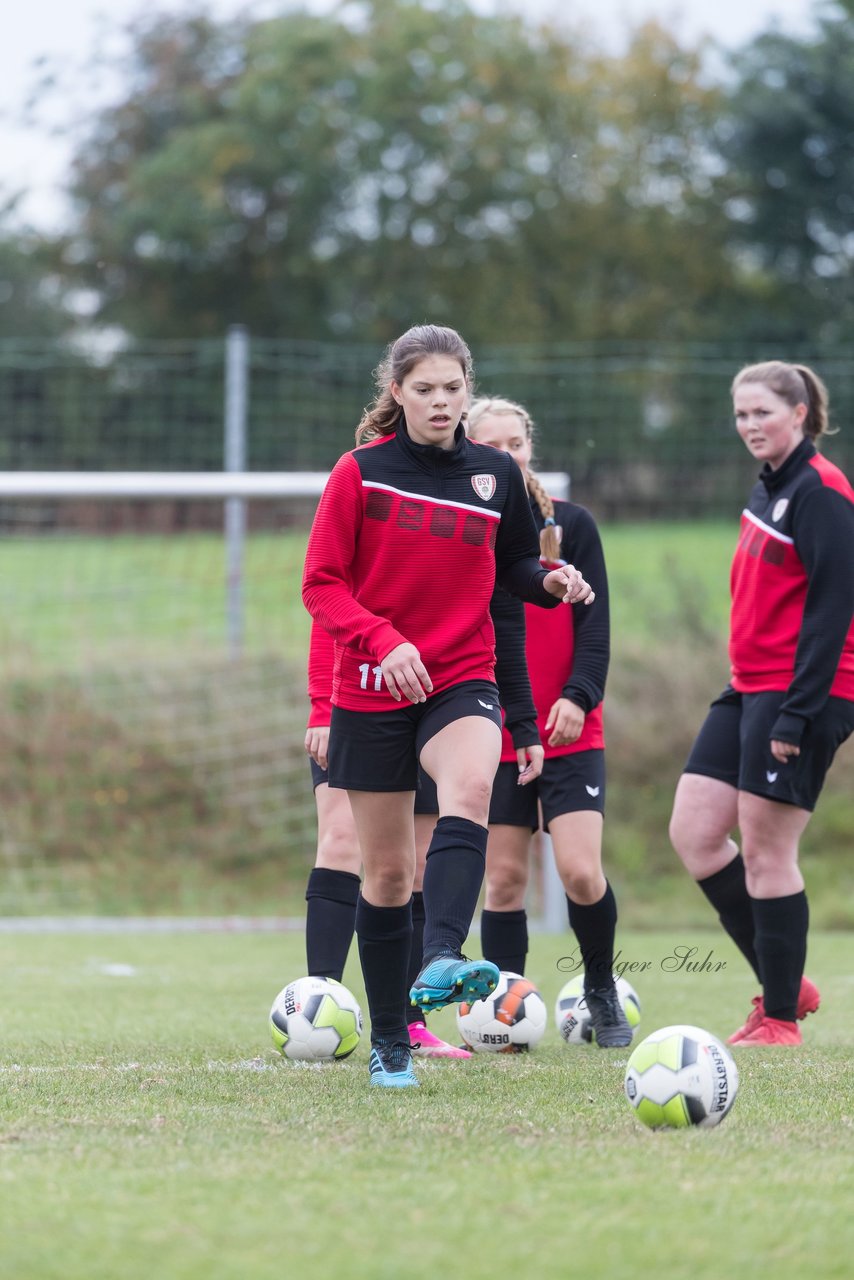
(147, 1129)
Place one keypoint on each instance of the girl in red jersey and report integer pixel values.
(410, 533)
(568, 654)
(762, 754)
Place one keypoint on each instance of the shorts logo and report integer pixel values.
(772, 777)
(490, 706)
(483, 485)
(779, 509)
(591, 791)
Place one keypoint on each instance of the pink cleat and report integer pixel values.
(426, 1045)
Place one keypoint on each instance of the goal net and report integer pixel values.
(153, 651)
(152, 645)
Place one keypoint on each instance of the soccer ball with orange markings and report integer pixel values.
(512, 1019)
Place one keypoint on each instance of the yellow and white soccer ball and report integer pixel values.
(572, 1017)
(315, 1020)
(681, 1076)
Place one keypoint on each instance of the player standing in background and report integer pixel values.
(333, 884)
(760, 759)
(568, 653)
(409, 535)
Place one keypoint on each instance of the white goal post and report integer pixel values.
(235, 487)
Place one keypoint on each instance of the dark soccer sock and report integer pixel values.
(452, 880)
(504, 938)
(329, 920)
(727, 891)
(594, 926)
(416, 954)
(385, 937)
(781, 945)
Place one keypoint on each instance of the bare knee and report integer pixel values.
(338, 849)
(585, 885)
(704, 813)
(506, 887)
(468, 797)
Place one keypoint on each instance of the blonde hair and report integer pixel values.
(794, 383)
(550, 548)
(380, 418)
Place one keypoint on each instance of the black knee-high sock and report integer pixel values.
(595, 925)
(416, 954)
(330, 919)
(781, 945)
(504, 938)
(453, 877)
(727, 891)
(385, 937)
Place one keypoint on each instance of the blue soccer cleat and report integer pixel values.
(451, 979)
(391, 1065)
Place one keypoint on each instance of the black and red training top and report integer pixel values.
(405, 546)
(792, 586)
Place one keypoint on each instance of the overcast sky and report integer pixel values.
(70, 30)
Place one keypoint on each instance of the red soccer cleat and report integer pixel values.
(808, 1001)
(773, 1031)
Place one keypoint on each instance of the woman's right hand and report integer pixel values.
(405, 674)
(317, 744)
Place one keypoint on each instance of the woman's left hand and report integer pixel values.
(530, 762)
(784, 751)
(568, 583)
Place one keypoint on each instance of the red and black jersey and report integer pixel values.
(792, 584)
(568, 650)
(405, 546)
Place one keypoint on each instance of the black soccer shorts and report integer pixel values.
(379, 750)
(734, 745)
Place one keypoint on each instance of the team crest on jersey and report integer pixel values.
(484, 485)
(779, 509)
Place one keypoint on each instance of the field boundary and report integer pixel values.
(151, 924)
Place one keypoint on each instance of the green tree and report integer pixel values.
(787, 137)
(348, 175)
(31, 295)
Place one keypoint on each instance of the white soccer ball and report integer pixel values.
(572, 1017)
(681, 1076)
(512, 1018)
(315, 1020)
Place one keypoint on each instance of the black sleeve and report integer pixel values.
(581, 546)
(824, 538)
(511, 669)
(517, 547)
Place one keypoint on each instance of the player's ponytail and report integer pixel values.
(816, 422)
(550, 534)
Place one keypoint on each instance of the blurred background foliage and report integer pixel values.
(342, 176)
